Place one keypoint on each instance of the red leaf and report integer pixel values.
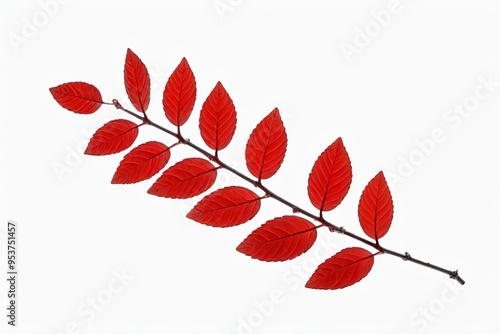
(142, 162)
(330, 177)
(226, 207)
(279, 239)
(113, 137)
(137, 83)
(78, 97)
(345, 268)
(187, 178)
(218, 119)
(266, 146)
(375, 209)
(179, 94)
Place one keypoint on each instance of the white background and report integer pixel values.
(76, 229)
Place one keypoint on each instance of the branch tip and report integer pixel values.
(117, 104)
(454, 275)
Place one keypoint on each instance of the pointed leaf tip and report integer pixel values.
(266, 147)
(376, 208)
(142, 163)
(344, 269)
(78, 97)
(218, 119)
(137, 82)
(226, 207)
(187, 178)
(330, 177)
(279, 239)
(113, 137)
(180, 94)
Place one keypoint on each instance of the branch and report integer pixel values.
(295, 208)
